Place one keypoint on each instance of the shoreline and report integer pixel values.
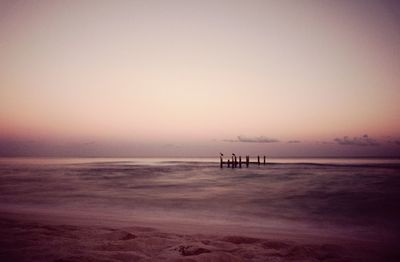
(166, 222)
(30, 236)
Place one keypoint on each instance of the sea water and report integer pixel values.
(355, 197)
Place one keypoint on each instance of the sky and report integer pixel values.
(195, 78)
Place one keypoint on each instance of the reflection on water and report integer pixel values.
(338, 193)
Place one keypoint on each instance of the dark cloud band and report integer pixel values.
(258, 139)
(364, 140)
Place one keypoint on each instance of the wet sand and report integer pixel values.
(47, 237)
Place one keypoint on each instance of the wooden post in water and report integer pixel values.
(235, 163)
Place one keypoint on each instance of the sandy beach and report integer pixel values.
(46, 237)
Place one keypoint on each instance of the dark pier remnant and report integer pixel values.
(234, 162)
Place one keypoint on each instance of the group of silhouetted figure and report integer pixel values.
(233, 162)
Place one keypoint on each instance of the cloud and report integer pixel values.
(396, 142)
(324, 142)
(230, 140)
(294, 141)
(257, 139)
(393, 141)
(364, 140)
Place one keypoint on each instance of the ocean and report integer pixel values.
(355, 198)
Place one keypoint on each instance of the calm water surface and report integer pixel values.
(354, 196)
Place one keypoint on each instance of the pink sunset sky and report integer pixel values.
(193, 78)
